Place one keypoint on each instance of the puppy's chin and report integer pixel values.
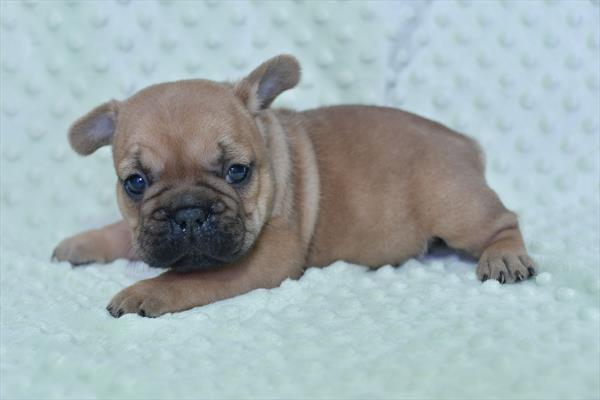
(191, 263)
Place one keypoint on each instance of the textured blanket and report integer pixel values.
(520, 77)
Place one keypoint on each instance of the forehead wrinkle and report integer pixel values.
(142, 158)
(203, 134)
(151, 160)
(131, 160)
(234, 151)
(128, 165)
(201, 153)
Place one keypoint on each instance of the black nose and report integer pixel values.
(189, 218)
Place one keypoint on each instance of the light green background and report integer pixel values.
(521, 77)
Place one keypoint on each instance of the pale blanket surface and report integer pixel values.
(521, 77)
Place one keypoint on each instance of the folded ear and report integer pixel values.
(95, 129)
(258, 90)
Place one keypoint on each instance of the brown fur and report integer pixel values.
(369, 185)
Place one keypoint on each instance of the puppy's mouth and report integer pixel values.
(186, 252)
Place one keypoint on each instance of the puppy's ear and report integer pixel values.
(258, 90)
(95, 129)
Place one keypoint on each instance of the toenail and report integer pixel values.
(518, 276)
(531, 271)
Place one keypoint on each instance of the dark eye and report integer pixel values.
(135, 185)
(237, 173)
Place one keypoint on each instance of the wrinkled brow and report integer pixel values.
(233, 153)
(141, 159)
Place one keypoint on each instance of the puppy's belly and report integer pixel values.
(367, 252)
(372, 239)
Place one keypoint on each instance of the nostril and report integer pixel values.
(188, 218)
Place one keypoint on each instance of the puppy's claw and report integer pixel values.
(501, 277)
(484, 278)
(114, 312)
(518, 276)
(529, 264)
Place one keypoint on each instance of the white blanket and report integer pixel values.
(521, 77)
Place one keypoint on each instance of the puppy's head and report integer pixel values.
(195, 182)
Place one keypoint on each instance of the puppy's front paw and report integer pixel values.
(143, 298)
(79, 250)
(505, 268)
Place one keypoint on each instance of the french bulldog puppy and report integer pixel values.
(229, 195)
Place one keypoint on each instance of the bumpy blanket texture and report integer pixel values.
(520, 77)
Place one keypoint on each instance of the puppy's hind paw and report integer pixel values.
(505, 268)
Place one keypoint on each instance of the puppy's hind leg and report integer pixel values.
(96, 246)
(472, 218)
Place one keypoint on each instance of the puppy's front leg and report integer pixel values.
(276, 256)
(97, 245)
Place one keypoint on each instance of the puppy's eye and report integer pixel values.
(237, 173)
(135, 185)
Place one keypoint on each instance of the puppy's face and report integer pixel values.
(194, 177)
(195, 181)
